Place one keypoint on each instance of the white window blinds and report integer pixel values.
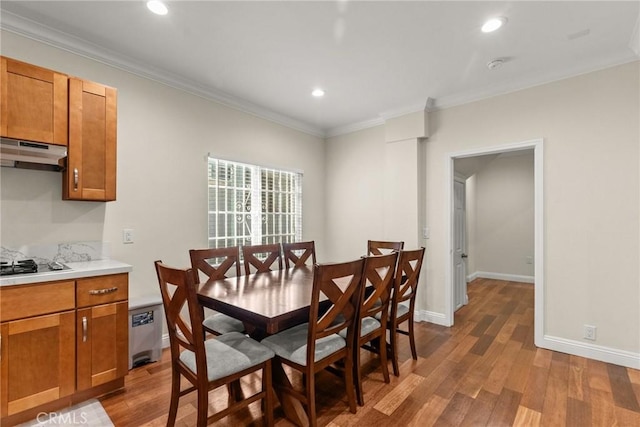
(250, 205)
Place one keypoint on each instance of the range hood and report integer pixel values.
(31, 155)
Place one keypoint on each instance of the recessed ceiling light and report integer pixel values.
(493, 24)
(157, 7)
(318, 93)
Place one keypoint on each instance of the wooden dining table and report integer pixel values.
(270, 301)
(267, 303)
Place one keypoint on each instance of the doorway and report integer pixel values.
(452, 294)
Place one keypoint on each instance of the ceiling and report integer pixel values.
(375, 59)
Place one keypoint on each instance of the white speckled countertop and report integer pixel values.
(76, 270)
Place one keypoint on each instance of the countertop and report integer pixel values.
(76, 270)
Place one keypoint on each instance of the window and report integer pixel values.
(252, 205)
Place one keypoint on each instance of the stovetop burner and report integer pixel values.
(18, 267)
(27, 266)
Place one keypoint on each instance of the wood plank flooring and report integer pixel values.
(484, 371)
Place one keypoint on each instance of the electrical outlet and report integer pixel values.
(127, 235)
(529, 260)
(590, 332)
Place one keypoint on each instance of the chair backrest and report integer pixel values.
(271, 254)
(341, 283)
(406, 279)
(297, 254)
(378, 281)
(378, 247)
(178, 288)
(224, 259)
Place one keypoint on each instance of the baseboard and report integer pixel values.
(165, 341)
(500, 276)
(431, 317)
(591, 351)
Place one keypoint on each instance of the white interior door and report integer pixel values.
(459, 257)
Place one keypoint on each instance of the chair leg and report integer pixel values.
(310, 391)
(382, 351)
(412, 340)
(175, 397)
(267, 387)
(203, 405)
(348, 379)
(357, 371)
(393, 350)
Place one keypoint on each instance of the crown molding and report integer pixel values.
(488, 92)
(354, 127)
(61, 40)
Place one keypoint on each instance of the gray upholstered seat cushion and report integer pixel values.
(291, 344)
(228, 354)
(223, 324)
(402, 309)
(367, 325)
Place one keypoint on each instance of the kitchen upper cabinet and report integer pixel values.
(33, 103)
(102, 330)
(91, 158)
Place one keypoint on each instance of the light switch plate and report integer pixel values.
(127, 235)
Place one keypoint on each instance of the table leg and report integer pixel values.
(292, 407)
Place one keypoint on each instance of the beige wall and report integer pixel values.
(164, 136)
(590, 126)
(504, 216)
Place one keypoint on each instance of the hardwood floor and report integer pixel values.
(484, 371)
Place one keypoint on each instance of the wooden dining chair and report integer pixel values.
(404, 289)
(215, 264)
(261, 257)
(377, 278)
(297, 254)
(212, 363)
(311, 347)
(379, 247)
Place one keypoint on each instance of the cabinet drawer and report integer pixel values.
(17, 302)
(102, 290)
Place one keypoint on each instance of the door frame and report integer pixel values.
(537, 146)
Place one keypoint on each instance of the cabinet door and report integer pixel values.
(91, 161)
(33, 103)
(102, 339)
(37, 361)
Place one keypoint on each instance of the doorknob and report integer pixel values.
(463, 256)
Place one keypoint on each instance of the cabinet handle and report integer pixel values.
(103, 291)
(76, 177)
(84, 328)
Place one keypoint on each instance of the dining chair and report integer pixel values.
(311, 347)
(212, 363)
(297, 254)
(405, 286)
(261, 257)
(215, 264)
(377, 278)
(379, 247)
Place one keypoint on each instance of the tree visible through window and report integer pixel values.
(251, 205)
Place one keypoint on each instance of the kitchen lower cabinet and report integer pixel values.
(102, 343)
(38, 361)
(61, 343)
